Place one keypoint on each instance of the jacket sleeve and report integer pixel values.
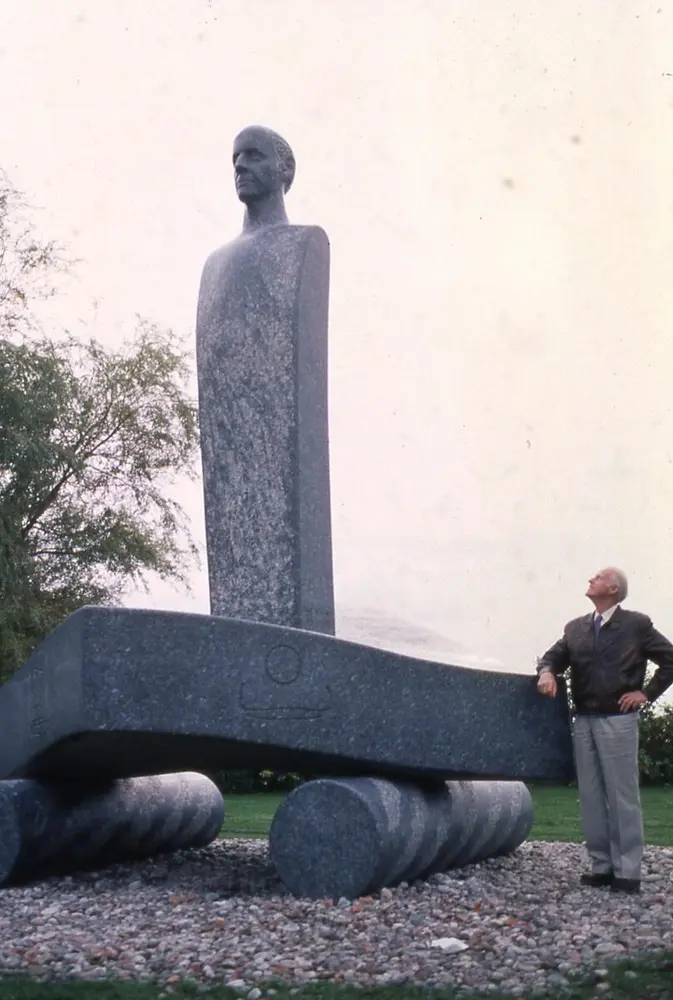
(557, 658)
(659, 650)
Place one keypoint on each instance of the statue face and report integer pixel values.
(257, 172)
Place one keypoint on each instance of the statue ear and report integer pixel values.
(288, 169)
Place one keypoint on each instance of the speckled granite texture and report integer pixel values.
(118, 692)
(335, 838)
(261, 343)
(51, 828)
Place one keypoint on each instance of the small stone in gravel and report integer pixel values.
(449, 945)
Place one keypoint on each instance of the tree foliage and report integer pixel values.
(91, 441)
(30, 268)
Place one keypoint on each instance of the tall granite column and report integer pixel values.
(261, 342)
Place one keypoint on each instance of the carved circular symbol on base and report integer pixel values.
(283, 664)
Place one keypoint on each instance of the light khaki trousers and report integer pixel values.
(606, 760)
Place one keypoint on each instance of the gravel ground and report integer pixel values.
(220, 915)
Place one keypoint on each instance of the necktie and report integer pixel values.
(598, 621)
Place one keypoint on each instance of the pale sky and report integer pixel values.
(496, 184)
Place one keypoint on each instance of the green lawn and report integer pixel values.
(556, 814)
(631, 980)
(249, 815)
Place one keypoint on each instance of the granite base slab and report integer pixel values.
(117, 692)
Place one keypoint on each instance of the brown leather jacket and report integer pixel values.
(602, 671)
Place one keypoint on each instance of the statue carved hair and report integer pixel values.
(286, 159)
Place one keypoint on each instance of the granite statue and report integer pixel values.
(261, 347)
(419, 764)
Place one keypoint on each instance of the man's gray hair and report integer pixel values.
(619, 580)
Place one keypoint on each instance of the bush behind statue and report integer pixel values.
(249, 782)
(656, 745)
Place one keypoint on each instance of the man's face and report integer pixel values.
(602, 585)
(256, 169)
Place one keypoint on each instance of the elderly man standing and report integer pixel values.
(607, 652)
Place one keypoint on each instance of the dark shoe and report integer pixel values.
(625, 885)
(597, 880)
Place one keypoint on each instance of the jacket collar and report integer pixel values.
(610, 631)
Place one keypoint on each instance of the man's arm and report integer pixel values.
(557, 658)
(658, 649)
(554, 663)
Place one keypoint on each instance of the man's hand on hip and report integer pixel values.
(632, 700)
(546, 684)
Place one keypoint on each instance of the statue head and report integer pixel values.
(263, 165)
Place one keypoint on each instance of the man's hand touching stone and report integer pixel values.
(546, 684)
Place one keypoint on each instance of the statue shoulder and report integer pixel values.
(312, 235)
(263, 247)
(314, 232)
(221, 253)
